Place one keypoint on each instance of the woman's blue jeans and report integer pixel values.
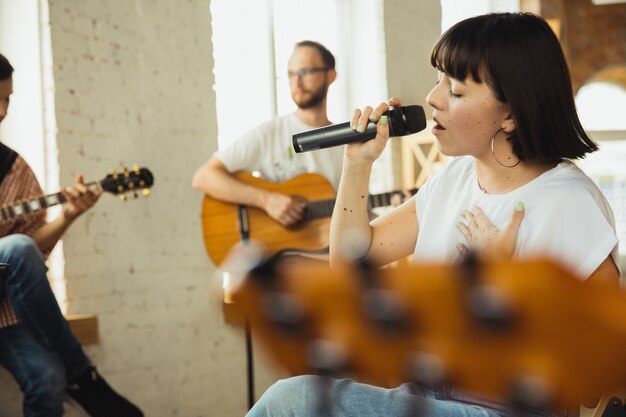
(319, 396)
(316, 396)
(40, 352)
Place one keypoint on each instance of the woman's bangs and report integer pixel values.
(456, 58)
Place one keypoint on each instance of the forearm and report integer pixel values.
(606, 274)
(350, 231)
(50, 233)
(218, 183)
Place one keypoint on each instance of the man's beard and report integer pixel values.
(314, 100)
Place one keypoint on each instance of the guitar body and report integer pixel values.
(221, 223)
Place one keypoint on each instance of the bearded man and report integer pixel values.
(268, 149)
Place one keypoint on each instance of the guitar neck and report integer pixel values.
(324, 208)
(34, 205)
(384, 199)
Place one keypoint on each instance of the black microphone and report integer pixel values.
(402, 121)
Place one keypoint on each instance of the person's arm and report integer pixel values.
(213, 179)
(350, 230)
(387, 238)
(606, 274)
(78, 200)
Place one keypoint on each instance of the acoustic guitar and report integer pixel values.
(226, 224)
(123, 183)
(527, 332)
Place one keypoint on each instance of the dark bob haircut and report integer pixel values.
(519, 57)
(327, 56)
(6, 70)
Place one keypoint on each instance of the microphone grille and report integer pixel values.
(415, 118)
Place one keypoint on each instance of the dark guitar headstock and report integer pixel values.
(507, 329)
(128, 181)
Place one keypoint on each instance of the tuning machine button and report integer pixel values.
(427, 368)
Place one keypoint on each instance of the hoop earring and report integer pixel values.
(493, 152)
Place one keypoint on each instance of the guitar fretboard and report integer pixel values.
(31, 206)
(324, 208)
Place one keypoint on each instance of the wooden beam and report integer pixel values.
(85, 328)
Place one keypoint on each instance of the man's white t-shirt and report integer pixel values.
(268, 149)
(567, 217)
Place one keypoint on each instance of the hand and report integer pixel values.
(482, 236)
(372, 149)
(286, 210)
(79, 198)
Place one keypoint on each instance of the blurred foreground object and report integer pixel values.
(527, 332)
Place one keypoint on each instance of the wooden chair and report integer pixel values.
(420, 157)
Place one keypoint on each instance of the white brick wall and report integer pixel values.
(411, 29)
(134, 84)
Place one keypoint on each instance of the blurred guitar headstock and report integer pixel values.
(128, 182)
(527, 332)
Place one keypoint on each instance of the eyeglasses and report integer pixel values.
(304, 72)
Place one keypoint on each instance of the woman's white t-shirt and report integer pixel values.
(567, 217)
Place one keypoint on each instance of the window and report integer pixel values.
(453, 11)
(601, 107)
(251, 60)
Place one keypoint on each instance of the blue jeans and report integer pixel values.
(40, 352)
(311, 396)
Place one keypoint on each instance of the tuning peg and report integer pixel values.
(123, 197)
(120, 189)
(531, 391)
(427, 368)
(327, 356)
(386, 311)
(126, 173)
(136, 168)
(145, 192)
(114, 174)
(133, 194)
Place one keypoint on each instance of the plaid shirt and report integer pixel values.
(19, 183)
